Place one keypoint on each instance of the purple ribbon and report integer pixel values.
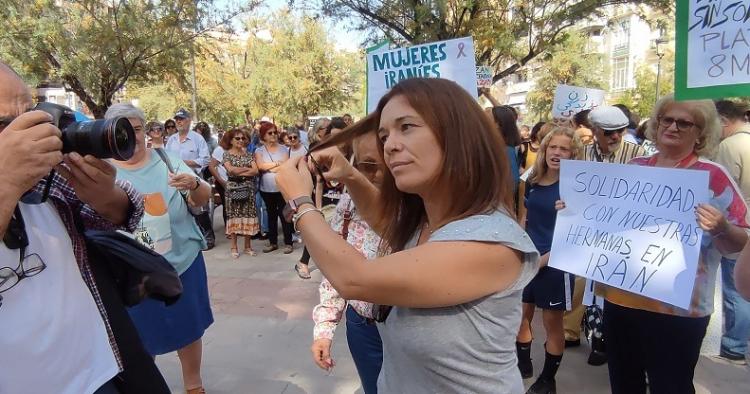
(461, 46)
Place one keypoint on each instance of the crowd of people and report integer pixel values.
(431, 220)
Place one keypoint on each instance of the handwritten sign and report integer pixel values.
(570, 100)
(452, 59)
(484, 76)
(631, 227)
(713, 49)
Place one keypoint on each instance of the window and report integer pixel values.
(621, 36)
(620, 73)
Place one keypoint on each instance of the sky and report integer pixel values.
(338, 31)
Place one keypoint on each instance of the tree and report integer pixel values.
(96, 46)
(642, 98)
(296, 73)
(570, 63)
(507, 34)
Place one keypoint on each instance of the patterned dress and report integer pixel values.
(242, 218)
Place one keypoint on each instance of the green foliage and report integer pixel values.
(642, 98)
(295, 74)
(568, 63)
(507, 33)
(95, 47)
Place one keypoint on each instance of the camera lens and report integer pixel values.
(103, 139)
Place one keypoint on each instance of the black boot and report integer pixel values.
(545, 384)
(523, 350)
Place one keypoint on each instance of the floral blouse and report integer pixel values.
(328, 313)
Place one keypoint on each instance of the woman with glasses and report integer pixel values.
(453, 259)
(269, 158)
(296, 149)
(362, 336)
(650, 338)
(242, 217)
(169, 228)
(155, 134)
(170, 127)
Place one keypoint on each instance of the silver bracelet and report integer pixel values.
(298, 216)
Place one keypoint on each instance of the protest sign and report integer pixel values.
(484, 76)
(712, 56)
(452, 59)
(631, 227)
(570, 100)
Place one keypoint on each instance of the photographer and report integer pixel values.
(56, 323)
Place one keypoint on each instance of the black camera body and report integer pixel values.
(101, 138)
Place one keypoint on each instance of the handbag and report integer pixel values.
(239, 193)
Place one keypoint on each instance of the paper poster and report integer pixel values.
(631, 227)
(452, 59)
(713, 49)
(570, 100)
(484, 76)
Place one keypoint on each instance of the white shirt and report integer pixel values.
(297, 153)
(268, 179)
(219, 156)
(52, 336)
(304, 139)
(193, 148)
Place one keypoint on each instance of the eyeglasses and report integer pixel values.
(367, 167)
(293, 138)
(682, 125)
(272, 133)
(609, 133)
(171, 127)
(240, 139)
(157, 130)
(28, 265)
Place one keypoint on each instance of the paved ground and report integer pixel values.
(260, 341)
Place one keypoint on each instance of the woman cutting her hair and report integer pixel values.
(458, 260)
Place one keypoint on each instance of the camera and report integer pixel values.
(101, 138)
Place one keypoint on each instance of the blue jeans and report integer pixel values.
(366, 348)
(260, 208)
(736, 313)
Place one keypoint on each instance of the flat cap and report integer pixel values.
(608, 118)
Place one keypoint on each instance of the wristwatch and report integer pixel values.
(292, 207)
(197, 184)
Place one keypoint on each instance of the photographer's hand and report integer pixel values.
(30, 146)
(94, 182)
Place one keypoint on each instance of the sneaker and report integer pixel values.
(572, 343)
(731, 358)
(526, 369)
(288, 249)
(597, 358)
(270, 248)
(543, 386)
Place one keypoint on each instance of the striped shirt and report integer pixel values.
(623, 155)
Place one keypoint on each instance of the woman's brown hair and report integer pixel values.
(476, 170)
(226, 140)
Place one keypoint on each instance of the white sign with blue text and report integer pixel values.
(631, 227)
(451, 59)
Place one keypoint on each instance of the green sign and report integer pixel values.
(713, 49)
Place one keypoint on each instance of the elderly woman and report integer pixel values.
(458, 260)
(242, 218)
(296, 148)
(269, 158)
(155, 134)
(169, 229)
(646, 337)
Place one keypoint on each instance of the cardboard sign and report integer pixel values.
(631, 227)
(452, 59)
(570, 100)
(713, 49)
(484, 76)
